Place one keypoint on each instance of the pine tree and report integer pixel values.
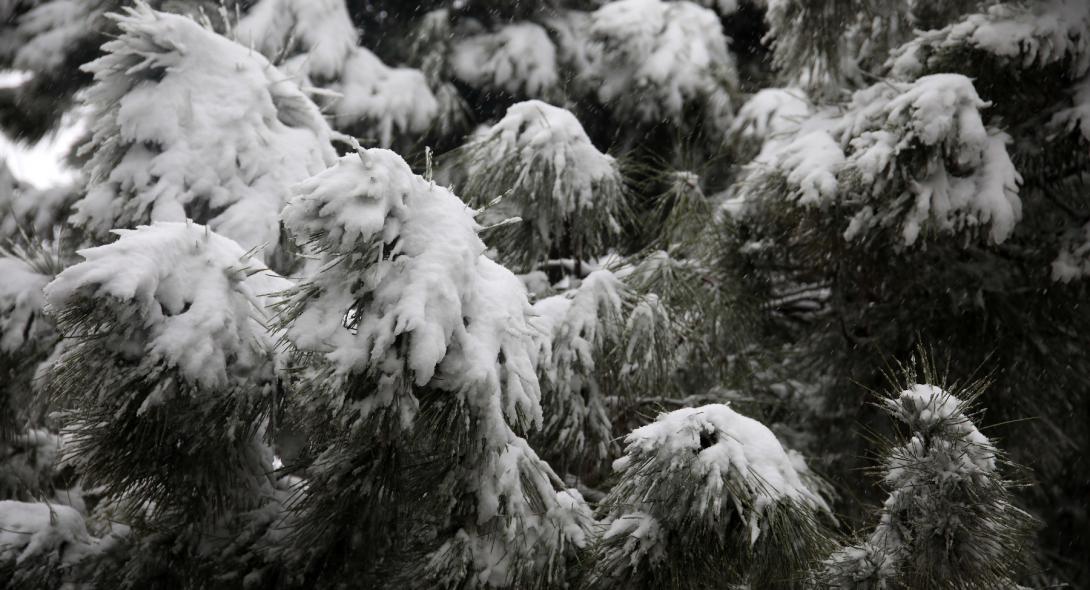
(419, 349)
(949, 520)
(655, 208)
(707, 498)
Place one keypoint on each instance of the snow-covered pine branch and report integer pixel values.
(421, 354)
(319, 44)
(706, 494)
(662, 61)
(320, 32)
(518, 59)
(569, 197)
(949, 519)
(187, 124)
(577, 329)
(40, 543)
(901, 157)
(1020, 35)
(167, 363)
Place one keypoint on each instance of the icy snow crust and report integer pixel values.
(966, 180)
(187, 124)
(192, 293)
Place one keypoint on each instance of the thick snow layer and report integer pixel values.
(727, 446)
(660, 58)
(383, 99)
(927, 409)
(21, 302)
(185, 292)
(403, 292)
(29, 529)
(539, 136)
(518, 58)
(573, 328)
(940, 112)
(1032, 35)
(437, 308)
(770, 113)
(908, 155)
(813, 161)
(188, 124)
(321, 30)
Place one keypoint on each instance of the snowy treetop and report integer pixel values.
(1032, 34)
(187, 124)
(187, 290)
(726, 445)
(661, 57)
(401, 255)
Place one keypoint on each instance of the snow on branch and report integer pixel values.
(948, 519)
(540, 162)
(519, 59)
(660, 59)
(904, 156)
(706, 490)
(166, 362)
(404, 317)
(1027, 35)
(320, 30)
(180, 293)
(187, 124)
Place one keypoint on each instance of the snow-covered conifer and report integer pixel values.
(167, 377)
(40, 543)
(519, 59)
(538, 160)
(904, 157)
(707, 497)
(318, 43)
(660, 61)
(187, 124)
(949, 519)
(419, 355)
(578, 329)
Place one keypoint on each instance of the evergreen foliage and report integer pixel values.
(571, 294)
